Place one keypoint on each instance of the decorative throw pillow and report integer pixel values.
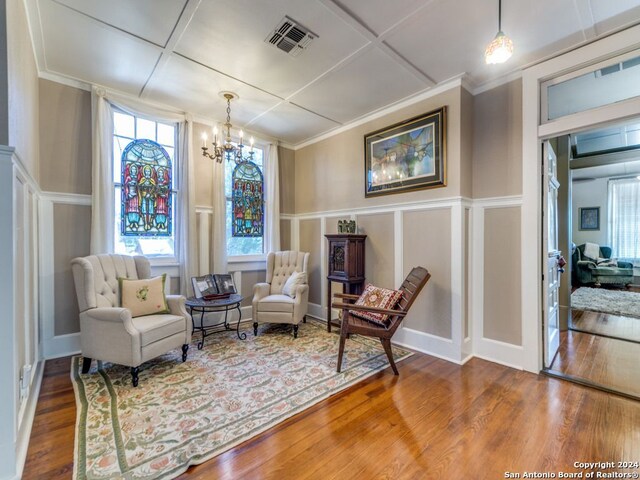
(377, 297)
(291, 285)
(143, 297)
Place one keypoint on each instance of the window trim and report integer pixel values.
(154, 260)
(237, 260)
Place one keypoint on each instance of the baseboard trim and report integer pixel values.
(24, 435)
(61, 346)
(439, 347)
(502, 353)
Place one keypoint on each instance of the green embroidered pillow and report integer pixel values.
(143, 297)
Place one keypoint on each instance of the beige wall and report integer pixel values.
(285, 234)
(502, 267)
(379, 248)
(249, 279)
(69, 241)
(203, 167)
(65, 138)
(330, 173)
(287, 174)
(22, 88)
(585, 195)
(497, 141)
(466, 144)
(427, 243)
(310, 242)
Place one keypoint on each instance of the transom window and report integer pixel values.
(244, 191)
(144, 183)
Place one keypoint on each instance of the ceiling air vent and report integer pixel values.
(290, 37)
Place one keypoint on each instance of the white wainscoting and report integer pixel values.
(20, 364)
(54, 346)
(460, 347)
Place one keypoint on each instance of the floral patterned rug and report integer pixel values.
(183, 414)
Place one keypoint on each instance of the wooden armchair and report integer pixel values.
(410, 289)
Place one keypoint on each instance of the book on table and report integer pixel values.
(213, 286)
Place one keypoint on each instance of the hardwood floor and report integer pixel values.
(605, 361)
(600, 323)
(437, 420)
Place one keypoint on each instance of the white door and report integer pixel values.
(551, 256)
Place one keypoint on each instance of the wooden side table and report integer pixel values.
(346, 265)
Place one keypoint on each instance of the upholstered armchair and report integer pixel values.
(277, 301)
(589, 272)
(108, 332)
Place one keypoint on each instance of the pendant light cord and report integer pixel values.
(499, 15)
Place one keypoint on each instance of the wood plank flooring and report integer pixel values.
(605, 361)
(437, 420)
(600, 323)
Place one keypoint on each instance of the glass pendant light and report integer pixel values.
(501, 47)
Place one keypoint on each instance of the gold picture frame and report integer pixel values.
(409, 155)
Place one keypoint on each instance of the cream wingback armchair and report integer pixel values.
(109, 332)
(273, 305)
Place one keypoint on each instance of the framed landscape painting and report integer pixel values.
(406, 156)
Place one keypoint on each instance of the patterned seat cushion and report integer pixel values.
(377, 297)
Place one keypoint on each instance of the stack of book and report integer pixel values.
(213, 286)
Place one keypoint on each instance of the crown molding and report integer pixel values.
(68, 81)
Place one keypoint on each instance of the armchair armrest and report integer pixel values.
(260, 290)
(586, 264)
(625, 265)
(347, 296)
(109, 314)
(300, 291)
(176, 305)
(362, 308)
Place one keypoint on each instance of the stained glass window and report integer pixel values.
(247, 201)
(146, 190)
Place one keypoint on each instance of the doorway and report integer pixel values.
(596, 175)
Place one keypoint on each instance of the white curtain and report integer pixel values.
(218, 257)
(624, 218)
(102, 221)
(272, 201)
(186, 238)
(102, 211)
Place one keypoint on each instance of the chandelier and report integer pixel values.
(225, 148)
(501, 47)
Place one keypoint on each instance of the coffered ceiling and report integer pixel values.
(369, 54)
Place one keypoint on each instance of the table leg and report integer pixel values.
(226, 323)
(329, 306)
(201, 343)
(243, 335)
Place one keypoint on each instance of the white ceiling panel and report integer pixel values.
(371, 81)
(153, 20)
(291, 124)
(228, 35)
(194, 88)
(609, 15)
(446, 52)
(380, 15)
(111, 58)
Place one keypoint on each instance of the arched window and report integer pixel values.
(247, 201)
(146, 190)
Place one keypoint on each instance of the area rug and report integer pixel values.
(616, 302)
(183, 414)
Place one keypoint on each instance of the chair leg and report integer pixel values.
(185, 348)
(386, 343)
(340, 352)
(304, 319)
(86, 364)
(295, 331)
(255, 329)
(134, 375)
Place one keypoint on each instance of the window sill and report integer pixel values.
(246, 263)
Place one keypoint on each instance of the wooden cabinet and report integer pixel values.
(345, 265)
